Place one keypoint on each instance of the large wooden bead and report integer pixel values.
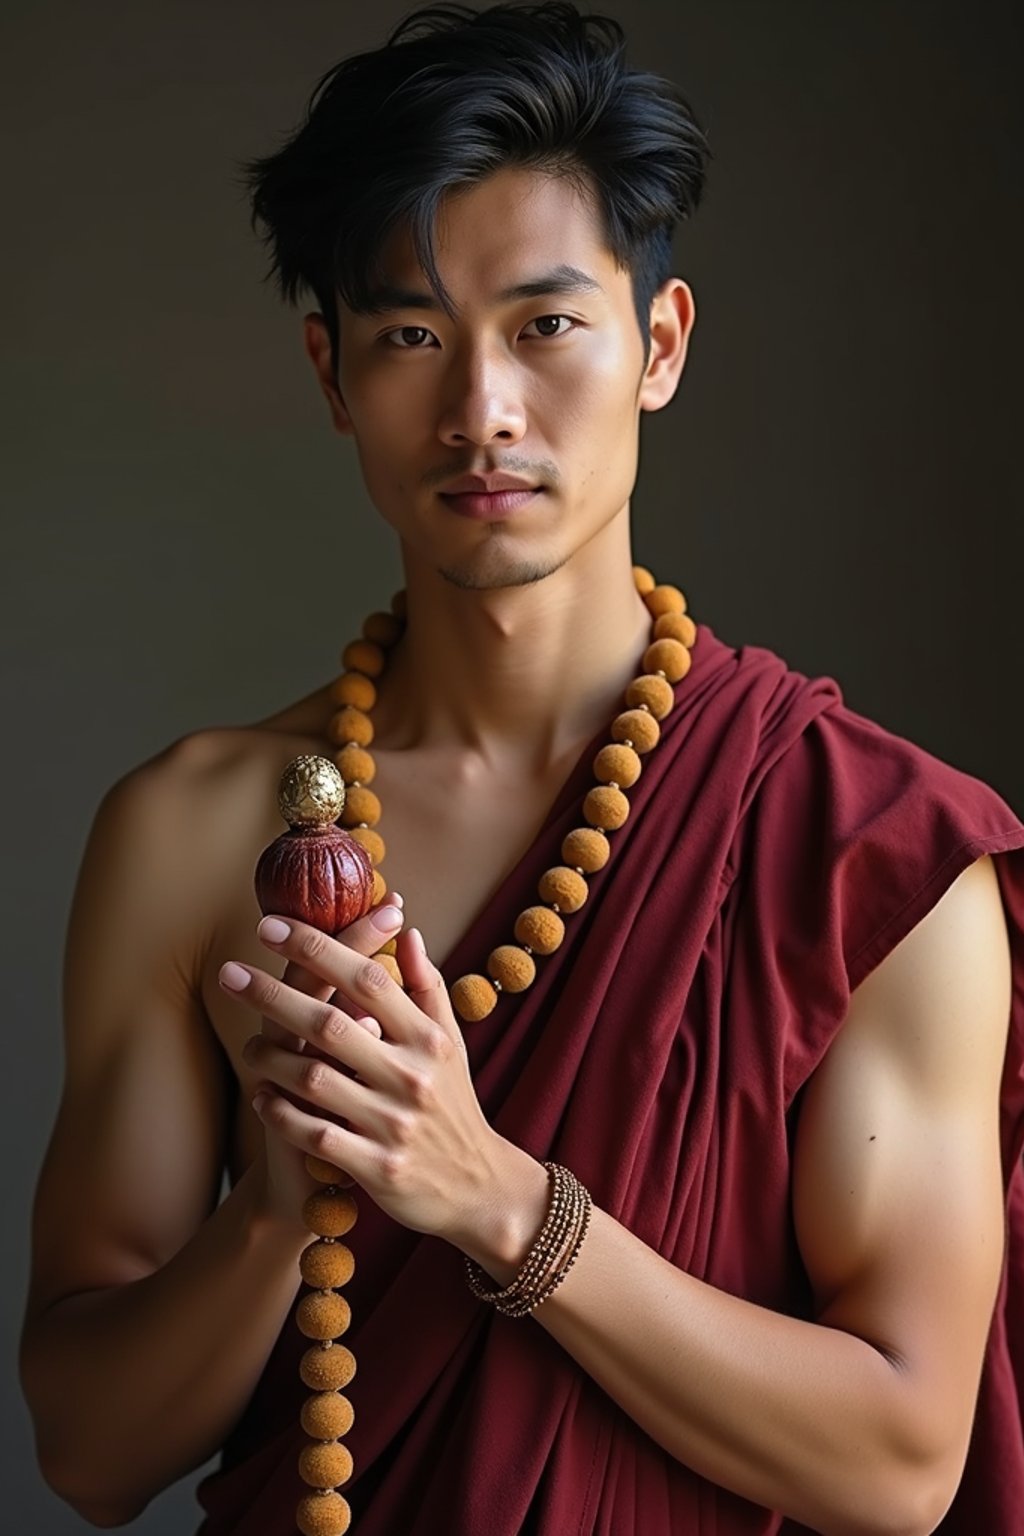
(676, 626)
(586, 848)
(355, 765)
(668, 656)
(372, 842)
(364, 656)
(564, 888)
(511, 967)
(541, 929)
(324, 1370)
(323, 1514)
(354, 688)
(325, 1264)
(473, 998)
(383, 629)
(617, 764)
(390, 948)
(321, 1169)
(351, 724)
(637, 726)
(380, 888)
(329, 1215)
(323, 1315)
(392, 967)
(606, 807)
(643, 580)
(651, 693)
(325, 1464)
(327, 1416)
(360, 805)
(664, 599)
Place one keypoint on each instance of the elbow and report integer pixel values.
(913, 1502)
(95, 1507)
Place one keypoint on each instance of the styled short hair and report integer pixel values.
(455, 95)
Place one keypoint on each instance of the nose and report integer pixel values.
(483, 403)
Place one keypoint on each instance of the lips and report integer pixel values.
(486, 484)
(484, 505)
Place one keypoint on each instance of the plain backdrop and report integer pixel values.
(187, 543)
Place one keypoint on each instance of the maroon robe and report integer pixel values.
(779, 846)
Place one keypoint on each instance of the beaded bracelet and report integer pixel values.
(552, 1255)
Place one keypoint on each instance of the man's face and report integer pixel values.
(505, 387)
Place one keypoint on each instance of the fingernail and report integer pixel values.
(386, 917)
(273, 930)
(234, 976)
(399, 901)
(418, 937)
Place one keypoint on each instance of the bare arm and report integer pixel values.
(857, 1423)
(134, 1359)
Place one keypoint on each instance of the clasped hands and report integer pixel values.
(377, 1080)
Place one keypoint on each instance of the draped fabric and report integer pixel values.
(779, 846)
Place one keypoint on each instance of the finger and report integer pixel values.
(349, 1150)
(365, 936)
(314, 1081)
(425, 984)
(333, 1036)
(364, 981)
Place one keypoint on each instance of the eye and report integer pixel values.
(544, 319)
(406, 331)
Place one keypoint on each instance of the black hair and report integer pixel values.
(454, 95)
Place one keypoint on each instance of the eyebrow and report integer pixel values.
(562, 279)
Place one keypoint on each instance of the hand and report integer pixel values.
(397, 1111)
(282, 1167)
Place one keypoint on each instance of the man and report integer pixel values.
(780, 1045)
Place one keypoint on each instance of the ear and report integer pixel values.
(317, 343)
(673, 313)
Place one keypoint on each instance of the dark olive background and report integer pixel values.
(186, 542)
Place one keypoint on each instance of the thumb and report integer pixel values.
(424, 983)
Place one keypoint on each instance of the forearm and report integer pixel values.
(795, 1416)
(135, 1385)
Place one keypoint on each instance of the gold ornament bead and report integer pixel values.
(321, 1169)
(539, 929)
(355, 765)
(643, 580)
(637, 726)
(372, 842)
(392, 967)
(329, 1215)
(364, 656)
(676, 626)
(664, 599)
(617, 765)
(323, 1315)
(310, 792)
(323, 1514)
(473, 998)
(361, 805)
(327, 1264)
(354, 688)
(564, 888)
(606, 807)
(324, 1370)
(400, 605)
(326, 1416)
(351, 724)
(510, 968)
(586, 849)
(325, 1464)
(380, 887)
(383, 629)
(651, 693)
(668, 656)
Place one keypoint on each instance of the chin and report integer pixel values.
(489, 570)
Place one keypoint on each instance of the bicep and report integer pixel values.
(898, 1195)
(134, 1161)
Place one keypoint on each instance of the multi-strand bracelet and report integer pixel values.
(552, 1255)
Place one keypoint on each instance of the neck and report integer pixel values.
(513, 680)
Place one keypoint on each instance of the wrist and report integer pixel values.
(510, 1215)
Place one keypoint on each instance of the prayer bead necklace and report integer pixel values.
(539, 930)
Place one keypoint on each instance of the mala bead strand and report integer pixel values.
(636, 730)
(323, 1315)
